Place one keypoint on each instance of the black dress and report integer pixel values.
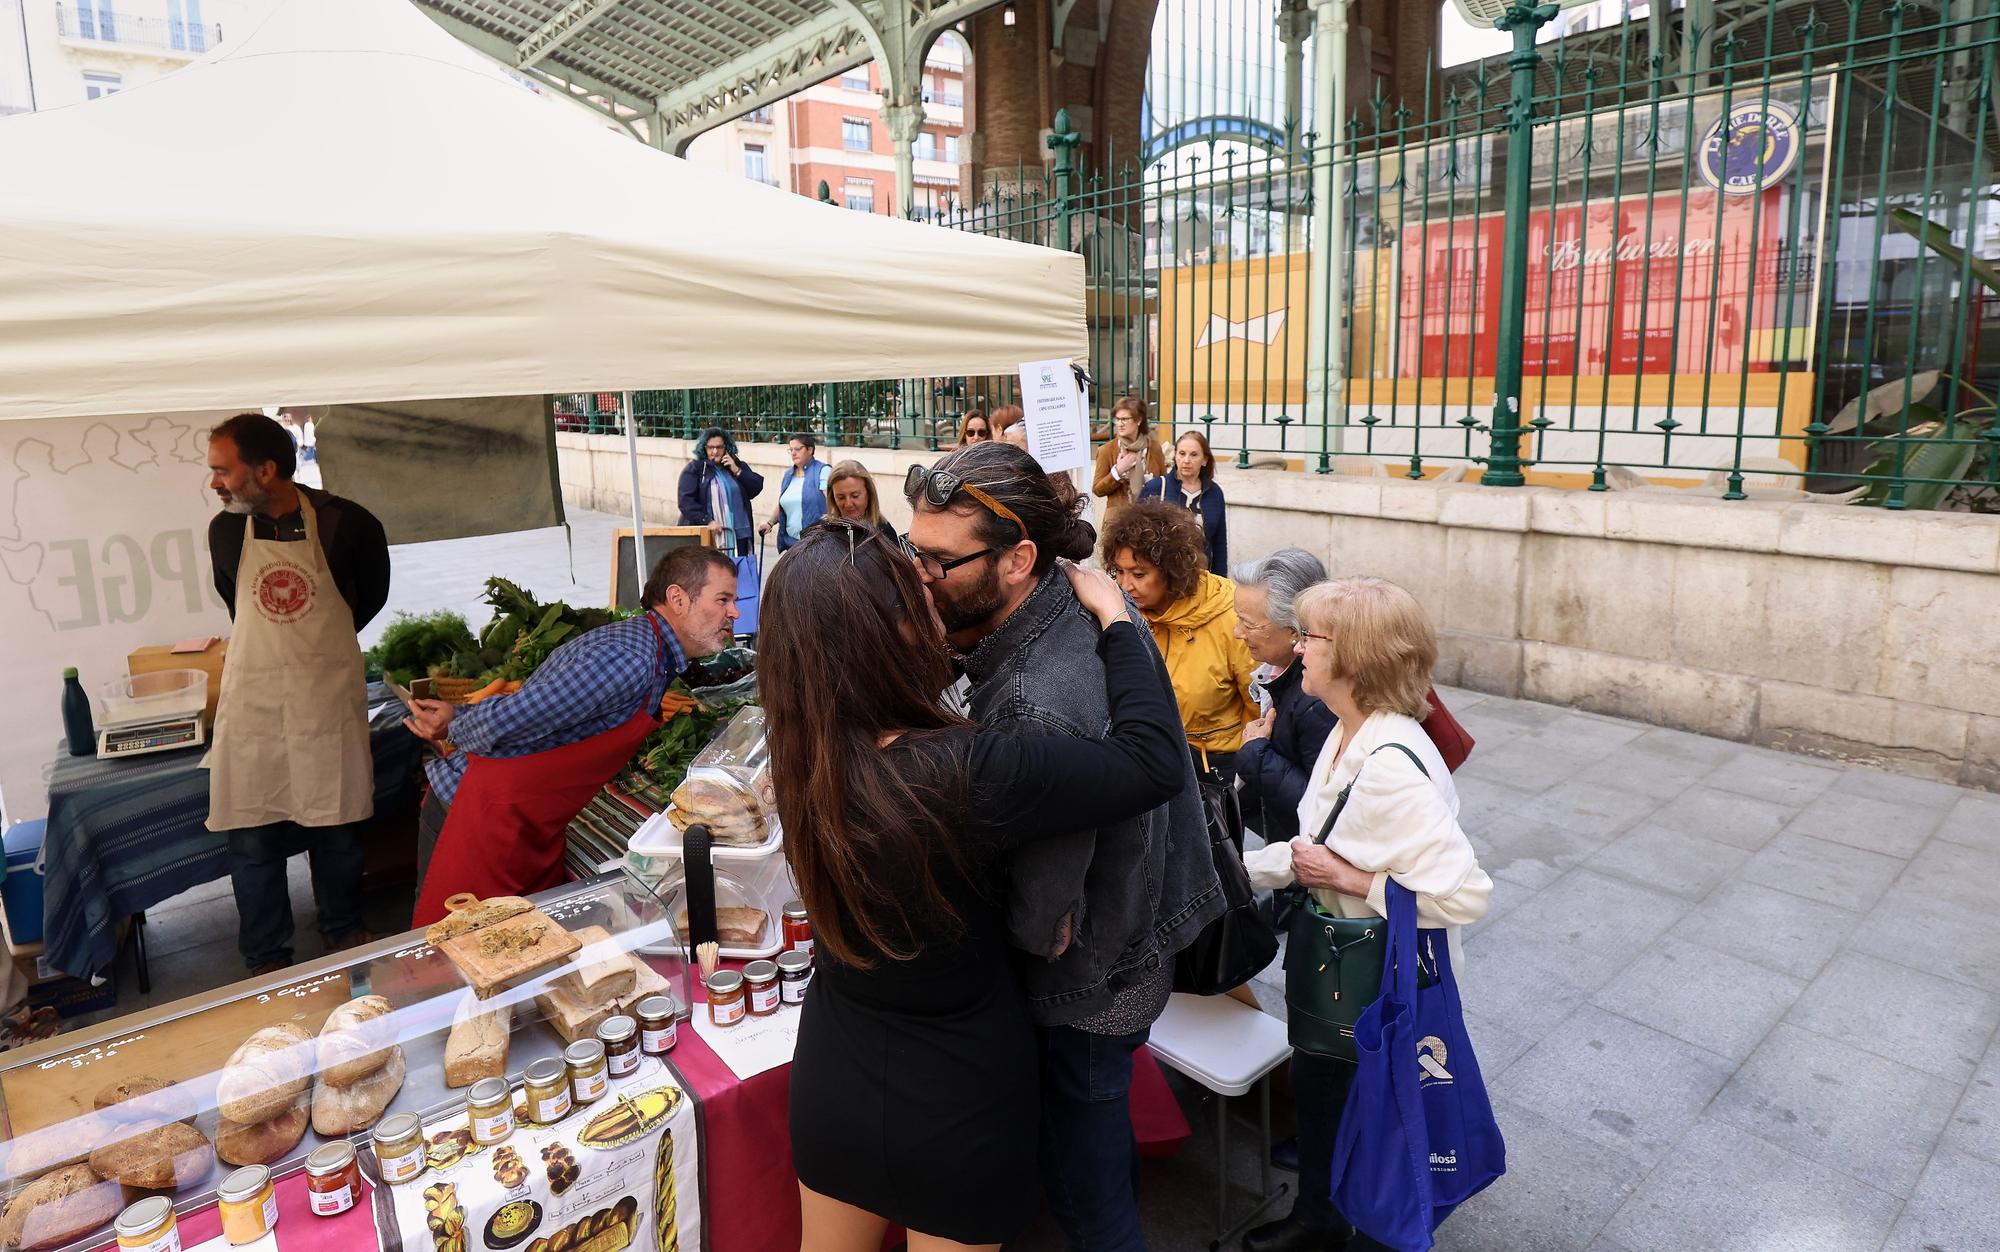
(915, 1093)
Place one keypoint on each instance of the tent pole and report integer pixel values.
(638, 510)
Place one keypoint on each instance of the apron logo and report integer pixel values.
(1431, 1057)
(284, 592)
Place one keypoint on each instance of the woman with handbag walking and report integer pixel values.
(1379, 804)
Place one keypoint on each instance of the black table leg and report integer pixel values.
(139, 953)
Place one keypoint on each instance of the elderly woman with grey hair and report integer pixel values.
(1280, 747)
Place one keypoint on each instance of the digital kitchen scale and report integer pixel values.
(155, 712)
(115, 742)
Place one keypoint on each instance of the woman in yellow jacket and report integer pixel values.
(1156, 552)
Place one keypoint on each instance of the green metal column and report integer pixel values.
(1063, 141)
(1503, 464)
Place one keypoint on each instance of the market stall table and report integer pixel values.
(124, 835)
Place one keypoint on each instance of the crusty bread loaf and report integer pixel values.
(484, 913)
(158, 1158)
(602, 972)
(573, 1019)
(266, 1073)
(339, 1111)
(260, 1143)
(143, 1099)
(356, 1041)
(59, 1207)
(709, 798)
(477, 1045)
(58, 1145)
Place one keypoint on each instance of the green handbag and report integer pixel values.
(1333, 965)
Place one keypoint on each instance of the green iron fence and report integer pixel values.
(1757, 264)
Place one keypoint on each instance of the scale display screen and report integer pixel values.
(150, 737)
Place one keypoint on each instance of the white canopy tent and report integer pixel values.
(347, 205)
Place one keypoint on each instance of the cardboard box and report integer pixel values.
(161, 656)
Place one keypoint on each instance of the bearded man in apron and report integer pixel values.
(524, 765)
(290, 768)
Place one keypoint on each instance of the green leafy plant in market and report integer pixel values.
(522, 634)
(413, 644)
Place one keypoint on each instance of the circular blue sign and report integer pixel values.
(1749, 148)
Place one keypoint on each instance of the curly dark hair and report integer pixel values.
(1164, 535)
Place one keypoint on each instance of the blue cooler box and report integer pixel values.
(22, 889)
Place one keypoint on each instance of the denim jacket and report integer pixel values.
(1140, 890)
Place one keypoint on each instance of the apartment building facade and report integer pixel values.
(55, 53)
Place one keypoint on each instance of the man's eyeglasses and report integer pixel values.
(936, 568)
(938, 487)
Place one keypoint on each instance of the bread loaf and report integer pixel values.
(477, 1045)
(602, 973)
(338, 1111)
(159, 1158)
(143, 1099)
(265, 1075)
(356, 1041)
(736, 926)
(484, 913)
(646, 981)
(573, 1019)
(260, 1143)
(59, 1207)
(55, 1146)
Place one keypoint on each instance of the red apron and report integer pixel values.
(504, 834)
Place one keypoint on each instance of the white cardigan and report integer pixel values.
(1397, 822)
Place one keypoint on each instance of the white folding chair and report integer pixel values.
(1228, 1047)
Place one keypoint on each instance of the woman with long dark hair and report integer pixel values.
(915, 1094)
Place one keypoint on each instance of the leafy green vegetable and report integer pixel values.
(520, 637)
(669, 750)
(412, 645)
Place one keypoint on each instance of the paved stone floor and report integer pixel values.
(1726, 998)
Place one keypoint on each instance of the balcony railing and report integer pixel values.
(100, 24)
(949, 99)
(760, 116)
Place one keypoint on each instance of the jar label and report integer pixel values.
(168, 1240)
(727, 1014)
(661, 1040)
(271, 1203)
(410, 1164)
(622, 1063)
(485, 1130)
(588, 1086)
(794, 990)
(552, 1108)
(764, 998)
(328, 1203)
(804, 945)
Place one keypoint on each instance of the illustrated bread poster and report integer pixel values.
(624, 1172)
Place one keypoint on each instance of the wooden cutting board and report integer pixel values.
(506, 952)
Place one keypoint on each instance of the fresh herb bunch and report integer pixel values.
(522, 633)
(412, 644)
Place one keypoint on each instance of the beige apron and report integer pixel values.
(291, 724)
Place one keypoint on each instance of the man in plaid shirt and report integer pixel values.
(562, 736)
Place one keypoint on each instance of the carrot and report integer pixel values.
(498, 687)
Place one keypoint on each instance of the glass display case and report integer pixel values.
(175, 1101)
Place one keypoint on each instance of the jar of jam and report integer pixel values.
(399, 1144)
(249, 1204)
(795, 970)
(659, 1024)
(148, 1226)
(798, 928)
(760, 978)
(489, 1107)
(620, 1037)
(725, 997)
(547, 1083)
(333, 1179)
(587, 1071)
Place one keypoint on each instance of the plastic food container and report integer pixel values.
(733, 892)
(131, 699)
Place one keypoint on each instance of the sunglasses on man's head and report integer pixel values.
(937, 487)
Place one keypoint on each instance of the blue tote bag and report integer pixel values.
(1417, 1137)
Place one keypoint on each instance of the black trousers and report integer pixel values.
(257, 856)
(1319, 1087)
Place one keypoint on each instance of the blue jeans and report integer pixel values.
(1090, 1161)
(257, 856)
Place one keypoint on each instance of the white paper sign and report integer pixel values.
(1058, 428)
(103, 549)
(754, 1044)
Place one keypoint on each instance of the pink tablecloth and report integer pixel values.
(752, 1201)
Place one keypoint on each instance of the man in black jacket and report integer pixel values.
(1098, 920)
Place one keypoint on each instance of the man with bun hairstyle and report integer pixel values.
(1097, 919)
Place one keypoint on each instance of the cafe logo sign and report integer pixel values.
(1749, 148)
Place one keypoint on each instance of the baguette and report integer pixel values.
(484, 913)
(340, 1111)
(265, 1075)
(356, 1041)
(59, 1207)
(260, 1143)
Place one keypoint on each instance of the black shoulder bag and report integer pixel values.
(1237, 946)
